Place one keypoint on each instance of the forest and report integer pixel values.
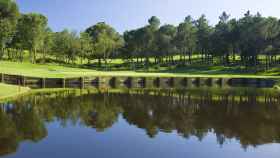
(250, 41)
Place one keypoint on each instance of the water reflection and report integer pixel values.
(249, 116)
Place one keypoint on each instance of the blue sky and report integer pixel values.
(130, 14)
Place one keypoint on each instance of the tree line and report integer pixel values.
(251, 40)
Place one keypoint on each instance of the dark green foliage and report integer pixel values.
(251, 41)
(31, 32)
(8, 19)
(105, 40)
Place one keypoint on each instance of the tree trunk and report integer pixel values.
(30, 56)
(147, 62)
(44, 56)
(227, 59)
(99, 62)
(190, 58)
(34, 55)
(2, 51)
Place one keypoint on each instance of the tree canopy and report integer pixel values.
(9, 14)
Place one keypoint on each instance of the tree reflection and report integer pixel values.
(251, 118)
(8, 134)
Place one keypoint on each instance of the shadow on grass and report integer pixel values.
(183, 69)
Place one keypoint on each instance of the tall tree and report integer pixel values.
(60, 44)
(251, 38)
(31, 31)
(221, 38)
(147, 38)
(67, 46)
(165, 41)
(186, 38)
(86, 47)
(271, 33)
(47, 43)
(106, 40)
(234, 38)
(131, 46)
(203, 33)
(9, 14)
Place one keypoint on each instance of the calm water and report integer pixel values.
(142, 123)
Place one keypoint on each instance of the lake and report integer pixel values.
(150, 123)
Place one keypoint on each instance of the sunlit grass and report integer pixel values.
(7, 91)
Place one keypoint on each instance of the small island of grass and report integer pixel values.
(9, 91)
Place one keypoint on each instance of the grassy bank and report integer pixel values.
(58, 71)
(9, 91)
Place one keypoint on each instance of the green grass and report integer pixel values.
(57, 71)
(8, 91)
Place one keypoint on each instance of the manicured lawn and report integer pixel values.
(7, 91)
(57, 71)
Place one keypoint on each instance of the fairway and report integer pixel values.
(57, 71)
